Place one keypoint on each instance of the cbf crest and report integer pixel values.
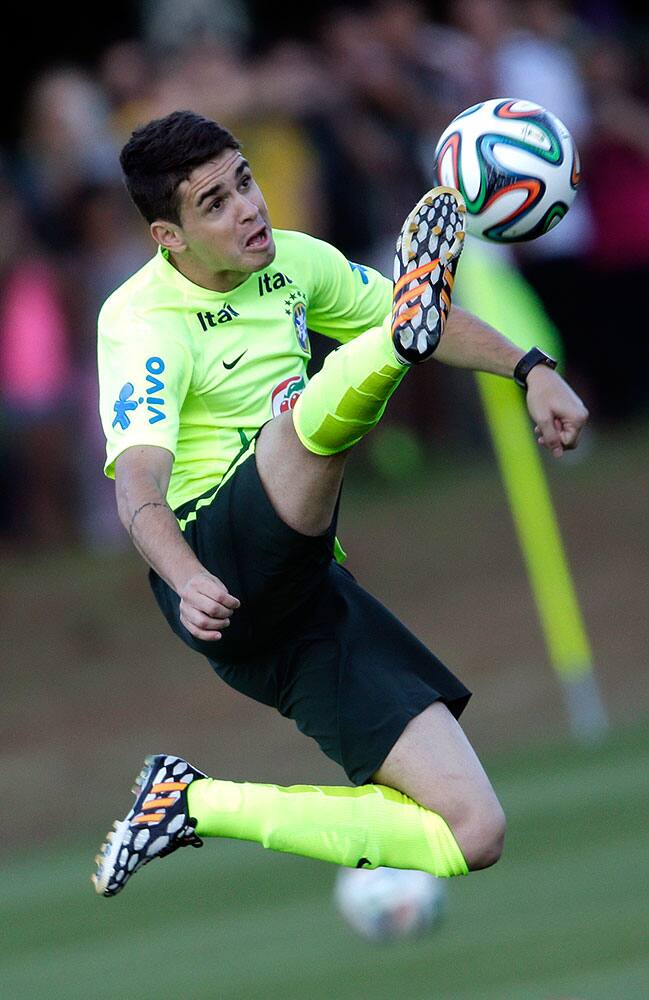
(295, 307)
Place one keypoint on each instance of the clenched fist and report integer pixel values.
(206, 607)
(557, 411)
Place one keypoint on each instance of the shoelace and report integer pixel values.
(146, 816)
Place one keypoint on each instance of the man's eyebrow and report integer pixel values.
(216, 188)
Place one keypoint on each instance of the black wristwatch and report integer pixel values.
(534, 357)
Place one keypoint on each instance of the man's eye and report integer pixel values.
(245, 181)
(216, 204)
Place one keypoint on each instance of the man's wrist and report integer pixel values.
(539, 372)
(186, 571)
(533, 359)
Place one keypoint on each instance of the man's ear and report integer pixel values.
(168, 236)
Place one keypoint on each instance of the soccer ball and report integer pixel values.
(385, 904)
(515, 164)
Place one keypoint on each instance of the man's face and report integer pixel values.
(225, 232)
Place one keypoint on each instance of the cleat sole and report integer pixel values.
(418, 320)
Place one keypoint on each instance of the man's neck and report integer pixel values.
(214, 281)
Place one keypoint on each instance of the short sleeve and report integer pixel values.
(144, 376)
(345, 298)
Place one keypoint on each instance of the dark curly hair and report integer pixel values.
(162, 153)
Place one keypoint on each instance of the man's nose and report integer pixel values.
(247, 208)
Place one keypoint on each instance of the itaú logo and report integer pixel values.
(285, 395)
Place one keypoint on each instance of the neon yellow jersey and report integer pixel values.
(199, 372)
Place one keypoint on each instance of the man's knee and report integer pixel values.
(433, 763)
(481, 835)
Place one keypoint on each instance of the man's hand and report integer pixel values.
(557, 411)
(206, 607)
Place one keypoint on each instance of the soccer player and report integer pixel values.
(228, 468)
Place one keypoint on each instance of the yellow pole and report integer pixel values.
(494, 290)
(536, 525)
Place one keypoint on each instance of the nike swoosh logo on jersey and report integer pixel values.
(236, 361)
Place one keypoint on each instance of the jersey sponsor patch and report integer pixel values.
(209, 319)
(285, 395)
(151, 396)
(271, 282)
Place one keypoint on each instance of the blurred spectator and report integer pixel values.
(66, 140)
(207, 77)
(536, 63)
(524, 52)
(289, 88)
(36, 385)
(618, 161)
(127, 76)
(340, 120)
(527, 52)
(367, 143)
(618, 253)
(110, 243)
(168, 25)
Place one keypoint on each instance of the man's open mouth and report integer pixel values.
(258, 239)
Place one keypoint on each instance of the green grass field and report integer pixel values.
(564, 915)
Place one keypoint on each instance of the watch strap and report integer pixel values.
(534, 357)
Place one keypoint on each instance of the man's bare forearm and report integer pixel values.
(142, 476)
(468, 342)
(155, 533)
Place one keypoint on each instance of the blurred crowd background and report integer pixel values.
(339, 113)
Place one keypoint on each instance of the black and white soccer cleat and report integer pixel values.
(157, 825)
(428, 248)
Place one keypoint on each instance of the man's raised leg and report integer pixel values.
(301, 455)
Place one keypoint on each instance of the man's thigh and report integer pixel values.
(303, 487)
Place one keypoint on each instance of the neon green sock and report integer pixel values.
(368, 826)
(348, 395)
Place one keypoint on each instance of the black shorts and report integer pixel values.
(307, 638)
